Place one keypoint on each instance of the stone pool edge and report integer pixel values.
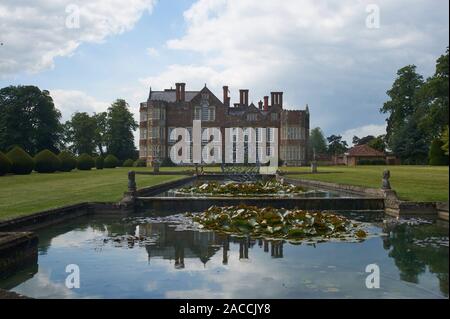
(23, 244)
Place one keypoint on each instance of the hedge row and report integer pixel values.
(372, 162)
(17, 161)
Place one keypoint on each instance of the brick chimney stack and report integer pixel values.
(266, 103)
(178, 91)
(226, 98)
(182, 92)
(276, 99)
(243, 97)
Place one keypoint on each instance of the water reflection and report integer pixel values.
(178, 245)
(414, 252)
(188, 263)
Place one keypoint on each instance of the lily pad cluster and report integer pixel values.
(279, 223)
(268, 188)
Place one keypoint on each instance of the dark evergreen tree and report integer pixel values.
(120, 127)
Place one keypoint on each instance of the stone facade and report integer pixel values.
(172, 108)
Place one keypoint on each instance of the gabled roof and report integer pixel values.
(364, 150)
(170, 95)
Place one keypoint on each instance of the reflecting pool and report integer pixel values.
(149, 257)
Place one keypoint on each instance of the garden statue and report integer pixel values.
(386, 176)
(131, 181)
(314, 163)
(155, 164)
(314, 167)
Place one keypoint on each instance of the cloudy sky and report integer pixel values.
(337, 56)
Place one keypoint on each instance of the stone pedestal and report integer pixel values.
(314, 167)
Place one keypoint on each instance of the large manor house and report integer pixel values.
(165, 110)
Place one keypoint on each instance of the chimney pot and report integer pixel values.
(277, 98)
(226, 98)
(182, 92)
(178, 91)
(266, 103)
(243, 97)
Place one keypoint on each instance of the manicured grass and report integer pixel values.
(415, 183)
(25, 194)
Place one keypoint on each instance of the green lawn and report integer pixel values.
(25, 194)
(415, 183)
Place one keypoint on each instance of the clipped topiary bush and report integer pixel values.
(21, 162)
(140, 163)
(68, 161)
(85, 162)
(46, 162)
(111, 161)
(5, 164)
(372, 162)
(128, 163)
(99, 162)
(437, 155)
(167, 162)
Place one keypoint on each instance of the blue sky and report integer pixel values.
(320, 53)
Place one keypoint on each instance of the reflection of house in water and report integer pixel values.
(181, 245)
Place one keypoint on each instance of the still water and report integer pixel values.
(141, 257)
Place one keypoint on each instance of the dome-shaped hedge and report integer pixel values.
(140, 163)
(85, 162)
(46, 162)
(111, 161)
(5, 164)
(99, 162)
(21, 162)
(128, 163)
(68, 161)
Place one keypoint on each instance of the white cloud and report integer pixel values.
(71, 101)
(318, 52)
(371, 129)
(34, 33)
(152, 52)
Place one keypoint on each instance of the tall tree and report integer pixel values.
(336, 145)
(444, 139)
(101, 125)
(403, 100)
(28, 118)
(120, 128)
(409, 143)
(433, 112)
(318, 143)
(81, 133)
(363, 140)
(378, 143)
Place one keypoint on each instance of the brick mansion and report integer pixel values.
(165, 110)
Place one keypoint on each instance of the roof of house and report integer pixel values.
(364, 150)
(170, 95)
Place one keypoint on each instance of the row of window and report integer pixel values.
(153, 113)
(269, 134)
(206, 114)
(293, 133)
(293, 153)
(287, 133)
(153, 151)
(153, 132)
